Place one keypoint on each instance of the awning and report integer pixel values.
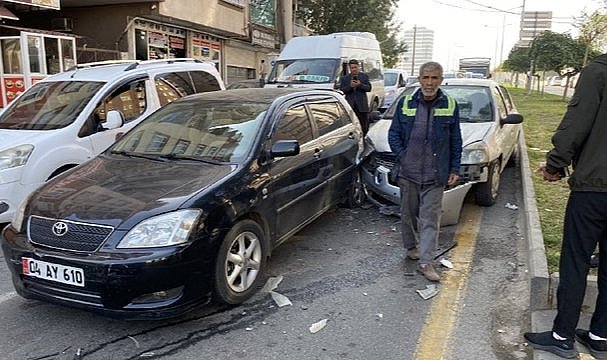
(7, 14)
(39, 31)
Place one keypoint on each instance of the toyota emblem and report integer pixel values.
(60, 228)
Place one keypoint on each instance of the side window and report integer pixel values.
(501, 107)
(327, 117)
(294, 125)
(130, 99)
(173, 85)
(507, 98)
(204, 81)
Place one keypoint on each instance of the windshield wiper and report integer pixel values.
(174, 156)
(137, 155)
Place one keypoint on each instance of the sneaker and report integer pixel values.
(428, 271)
(413, 253)
(545, 341)
(598, 348)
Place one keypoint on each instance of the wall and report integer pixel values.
(214, 13)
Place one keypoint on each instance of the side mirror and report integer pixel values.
(113, 120)
(283, 148)
(374, 116)
(513, 118)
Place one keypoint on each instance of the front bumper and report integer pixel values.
(153, 284)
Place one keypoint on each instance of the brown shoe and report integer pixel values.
(428, 271)
(413, 253)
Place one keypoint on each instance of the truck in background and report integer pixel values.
(320, 61)
(477, 65)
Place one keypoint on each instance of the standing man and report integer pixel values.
(263, 72)
(426, 138)
(355, 86)
(580, 141)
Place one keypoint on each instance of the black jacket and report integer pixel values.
(356, 97)
(580, 139)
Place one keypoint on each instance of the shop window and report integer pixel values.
(33, 50)
(51, 50)
(130, 99)
(67, 52)
(141, 45)
(11, 56)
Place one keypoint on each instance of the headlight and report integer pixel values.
(16, 156)
(17, 222)
(163, 230)
(476, 153)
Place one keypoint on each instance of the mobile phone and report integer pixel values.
(354, 77)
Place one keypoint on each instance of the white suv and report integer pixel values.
(68, 118)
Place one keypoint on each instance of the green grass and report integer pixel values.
(543, 113)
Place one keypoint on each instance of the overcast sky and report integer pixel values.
(471, 28)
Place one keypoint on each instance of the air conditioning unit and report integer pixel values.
(62, 24)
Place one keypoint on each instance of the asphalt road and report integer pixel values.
(348, 268)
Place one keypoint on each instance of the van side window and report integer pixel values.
(171, 86)
(327, 117)
(130, 99)
(294, 125)
(204, 81)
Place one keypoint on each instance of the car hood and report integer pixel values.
(110, 190)
(12, 138)
(471, 133)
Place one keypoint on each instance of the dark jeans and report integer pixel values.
(585, 227)
(363, 118)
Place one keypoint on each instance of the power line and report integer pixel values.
(489, 9)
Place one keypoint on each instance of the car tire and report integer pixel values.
(240, 263)
(357, 194)
(485, 193)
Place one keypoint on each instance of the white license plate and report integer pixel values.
(53, 272)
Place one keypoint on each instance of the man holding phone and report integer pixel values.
(355, 86)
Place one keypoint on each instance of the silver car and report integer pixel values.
(490, 128)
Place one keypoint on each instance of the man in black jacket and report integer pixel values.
(355, 86)
(580, 141)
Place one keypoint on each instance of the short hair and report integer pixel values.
(431, 65)
(353, 61)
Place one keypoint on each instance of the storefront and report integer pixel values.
(29, 55)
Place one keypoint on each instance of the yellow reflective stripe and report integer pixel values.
(407, 111)
(449, 110)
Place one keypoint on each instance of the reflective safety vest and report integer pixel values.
(448, 111)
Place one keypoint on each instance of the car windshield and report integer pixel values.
(49, 105)
(474, 102)
(390, 79)
(205, 130)
(304, 71)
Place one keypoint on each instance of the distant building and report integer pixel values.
(533, 23)
(420, 45)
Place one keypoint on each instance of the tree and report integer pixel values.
(518, 61)
(593, 29)
(329, 16)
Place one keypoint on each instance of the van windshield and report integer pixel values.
(49, 105)
(304, 71)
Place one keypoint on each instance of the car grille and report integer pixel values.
(78, 237)
(385, 159)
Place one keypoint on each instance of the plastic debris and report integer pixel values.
(135, 341)
(271, 284)
(379, 315)
(249, 329)
(280, 299)
(148, 354)
(317, 326)
(390, 210)
(511, 206)
(429, 292)
(365, 294)
(446, 263)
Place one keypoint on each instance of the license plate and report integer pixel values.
(52, 272)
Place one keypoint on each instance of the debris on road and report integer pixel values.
(446, 263)
(511, 206)
(280, 299)
(317, 326)
(429, 292)
(271, 284)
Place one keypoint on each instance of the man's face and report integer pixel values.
(430, 80)
(354, 69)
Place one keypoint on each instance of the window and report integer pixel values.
(204, 81)
(499, 101)
(51, 49)
(11, 56)
(33, 50)
(130, 99)
(327, 117)
(171, 86)
(294, 125)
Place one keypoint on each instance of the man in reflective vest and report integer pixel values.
(426, 138)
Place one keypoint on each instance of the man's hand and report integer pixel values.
(354, 83)
(452, 179)
(548, 176)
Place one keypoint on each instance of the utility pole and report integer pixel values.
(414, 46)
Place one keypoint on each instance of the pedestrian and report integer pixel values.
(426, 138)
(263, 72)
(579, 141)
(355, 86)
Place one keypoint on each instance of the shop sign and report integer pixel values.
(176, 42)
(157, 39)
(263, 38)
(50, 4)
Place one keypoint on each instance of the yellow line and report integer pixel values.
(435, 337)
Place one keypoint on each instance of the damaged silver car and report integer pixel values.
(490, 126)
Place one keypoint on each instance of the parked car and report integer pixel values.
(68, 118)
(490, 128)
(188, 204)
(554, 81)
(395, 81)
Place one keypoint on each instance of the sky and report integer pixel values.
(475, 28)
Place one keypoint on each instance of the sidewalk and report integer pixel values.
(542, 286)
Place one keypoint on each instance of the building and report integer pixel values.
(420, 45)
(533, 23)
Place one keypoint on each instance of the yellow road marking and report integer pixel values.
(434, 341)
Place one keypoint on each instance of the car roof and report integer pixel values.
(108, 71)
(394, 71)
(262, 95)
(469, 82)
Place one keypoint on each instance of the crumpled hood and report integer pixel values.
(11, 138)
(109, 190)
(471, 132)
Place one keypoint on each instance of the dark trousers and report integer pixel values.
(585, 226)
(363, 118)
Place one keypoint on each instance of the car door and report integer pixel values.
(339, 140)
(296, 186)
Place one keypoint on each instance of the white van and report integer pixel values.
(319, 61)
(68, 118)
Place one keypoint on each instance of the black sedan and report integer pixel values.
(187, 205)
